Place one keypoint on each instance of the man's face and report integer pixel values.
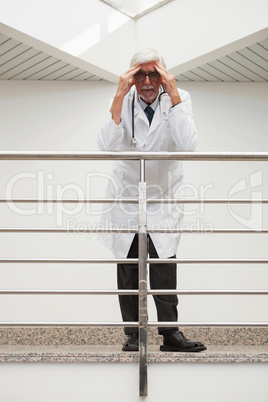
(147, 89)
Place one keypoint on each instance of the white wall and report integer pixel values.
(119, 382)
(66, 116)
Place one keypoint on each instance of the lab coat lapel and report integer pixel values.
(157, 119)
(161, 112)
(138, 110)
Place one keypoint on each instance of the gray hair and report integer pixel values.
(145, 56)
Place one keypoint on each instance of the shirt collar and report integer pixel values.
(152, 105)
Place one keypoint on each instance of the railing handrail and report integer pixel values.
(114, 155)
(82, 292)
(135, 260)
(258, 324)
(135, 200)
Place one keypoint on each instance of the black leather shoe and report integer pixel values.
(132, 343)
(179, 343)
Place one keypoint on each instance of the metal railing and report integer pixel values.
(142, 200)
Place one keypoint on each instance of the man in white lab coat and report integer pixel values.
(167, 125)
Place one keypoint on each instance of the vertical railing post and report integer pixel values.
(143, 314)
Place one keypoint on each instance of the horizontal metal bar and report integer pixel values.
(120, 230)
(135, 292)
(207, 201)
(205, 261)
(70, 201)
(67, 324)
(107, 155)
(69, 292)
(206, 292)
(65, 230)
(207, 324)
(129, 261)
(135, 201)
(69, 260)
(208, 231)
(132, 324)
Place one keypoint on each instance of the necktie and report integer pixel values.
(150, 113)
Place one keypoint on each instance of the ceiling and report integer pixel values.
(23, 57)
(19, 61)
(135, 9)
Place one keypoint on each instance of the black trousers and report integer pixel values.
(162, 276)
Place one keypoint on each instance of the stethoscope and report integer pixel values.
(133, 141)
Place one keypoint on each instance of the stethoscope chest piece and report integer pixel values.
(133, 142)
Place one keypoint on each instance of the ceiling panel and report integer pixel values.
(214, 70)
(249, 64)
(234, 62)
(204, 74)
(75, 73)
(12, 53)
(230, 73)
(254, 57)
(29, 67)
(19, 61)
(7, 45)
(264, 44)
(3, 38)
(260, 50)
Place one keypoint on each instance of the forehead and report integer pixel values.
(149, 66)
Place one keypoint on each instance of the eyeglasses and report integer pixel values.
(153, 76)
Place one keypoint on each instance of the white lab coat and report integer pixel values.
(172, 129)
